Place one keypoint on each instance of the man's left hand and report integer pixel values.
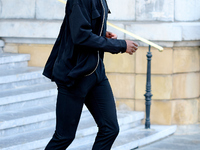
(111, 35)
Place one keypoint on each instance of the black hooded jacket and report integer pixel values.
(81, 42)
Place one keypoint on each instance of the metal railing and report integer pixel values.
(148, 93)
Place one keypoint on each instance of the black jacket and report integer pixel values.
(81, 42)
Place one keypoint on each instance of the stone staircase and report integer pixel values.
(27, 118)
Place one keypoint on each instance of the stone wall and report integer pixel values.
(162, 21)
(175, 83)
(31, 26)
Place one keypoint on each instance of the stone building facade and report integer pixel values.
(31, 26)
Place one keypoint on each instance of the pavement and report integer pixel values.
(184, 139)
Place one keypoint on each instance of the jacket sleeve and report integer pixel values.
(81, 33)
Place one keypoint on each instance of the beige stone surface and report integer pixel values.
(10, 48)
(199, 84)
(161, 112)
(125, 104)
(199, 59)
(185, 85)
(199, 111)
(186, 59)
(185, 111)
(39, 53)
(122, 84)
(123, 63)
(140, 105)
(161, 86)
(172, 111)
(161, 61)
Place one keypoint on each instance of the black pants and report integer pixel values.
(96, 93)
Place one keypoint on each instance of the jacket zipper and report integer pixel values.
(99, 35)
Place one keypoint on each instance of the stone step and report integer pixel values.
(18, 121)
(13, 57)
(28, 103)
(37, 139)
(27, 93)
(13, 65)
(27, 141)
(88, 140)
(22, 74)
(22, 117)
(139, 136)
(24, 83)
(133, 138)
(12, 60)
(26, 128)
(88, 127)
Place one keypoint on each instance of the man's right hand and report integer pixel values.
(131, 47)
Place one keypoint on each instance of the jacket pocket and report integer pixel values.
(95, 14)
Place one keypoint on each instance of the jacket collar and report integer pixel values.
(108, 7)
